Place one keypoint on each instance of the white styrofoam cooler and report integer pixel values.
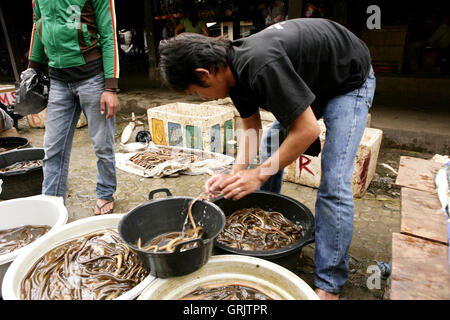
(35, 210)
(200, 126)
(38, 120)
(306, 170)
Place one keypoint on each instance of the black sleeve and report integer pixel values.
(245, 106)
(282, 91)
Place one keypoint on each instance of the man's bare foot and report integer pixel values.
(323, 295)
(103, 207)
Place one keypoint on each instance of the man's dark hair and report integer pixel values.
(181, 55)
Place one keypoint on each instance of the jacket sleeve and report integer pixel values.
(105, 17)
(36, 56)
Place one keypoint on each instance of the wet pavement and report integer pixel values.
(377, 213)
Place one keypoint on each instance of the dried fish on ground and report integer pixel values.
(150, 159)
(16, 238)
(22, 165)
(231, 290)
(256, 229)
(96, 266)
(158, 162)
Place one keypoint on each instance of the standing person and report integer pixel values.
(80, 41)
(191, 21)
(299, 70)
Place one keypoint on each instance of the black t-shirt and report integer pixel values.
(294, 64)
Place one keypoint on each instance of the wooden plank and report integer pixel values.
(417, 173)
(421, 215)
(420, 269)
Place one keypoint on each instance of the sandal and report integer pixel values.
(100, 208)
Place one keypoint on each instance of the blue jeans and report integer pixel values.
(345, 118)
(66, 101)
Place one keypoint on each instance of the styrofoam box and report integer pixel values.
(38, 120)
(306, 170)
(204, 127)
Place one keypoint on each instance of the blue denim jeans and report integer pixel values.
(345, 119)
(66, 101)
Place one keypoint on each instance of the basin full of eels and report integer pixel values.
(244, 277)
(265, 225)
(94, 258)
(22, 221)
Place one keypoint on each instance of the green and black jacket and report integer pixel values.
(71, 33)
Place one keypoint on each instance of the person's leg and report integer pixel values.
(101, 131)
(269, 145)
(345, 120)
(60, 123)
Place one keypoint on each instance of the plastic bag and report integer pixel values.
(32, 95)
(6, 122)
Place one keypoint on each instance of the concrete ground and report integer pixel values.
(417, 127)
(413, 111)
(377, 213)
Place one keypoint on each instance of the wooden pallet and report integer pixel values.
(420, 269)
(420, 256)
(421, 216)
(417, 174)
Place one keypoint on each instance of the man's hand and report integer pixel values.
(235, 186)
(242, 183)
(212, 185)
(109, 101)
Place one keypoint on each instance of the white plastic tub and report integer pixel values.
(265, 275)
(20, 267)
(35, 210)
